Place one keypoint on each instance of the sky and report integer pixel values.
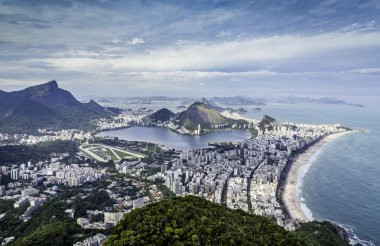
(193, 47)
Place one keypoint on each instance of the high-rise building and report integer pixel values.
(2, 190)
(176, 187)
(164, 167)
(138, 203)
(113, 218)
(15, 174)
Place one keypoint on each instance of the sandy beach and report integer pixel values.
(289, 195)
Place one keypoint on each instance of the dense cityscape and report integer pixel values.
(247, 175)
(163, 122)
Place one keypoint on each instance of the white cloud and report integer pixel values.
(250, 54)
(360, 27)
(136, 41)
(117, 41)
(366, 70)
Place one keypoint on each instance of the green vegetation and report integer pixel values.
(49, 224)
(53, 233)
(37, 152)
(194, 221)
(162, 115)
(253, 132)
(320, 234)
(123, 155)
(10, 222)
(98, 200)
(166, 192)
(223, 146)
(111, 154)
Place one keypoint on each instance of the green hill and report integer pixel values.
(45, 106)
(267, 120)
(194, 221)
(199, 113)
(162, 115)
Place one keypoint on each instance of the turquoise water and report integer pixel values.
(164, 136)
(343, 183)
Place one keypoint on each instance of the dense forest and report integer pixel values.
(194, 221)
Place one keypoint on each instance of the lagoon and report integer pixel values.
(170, 139)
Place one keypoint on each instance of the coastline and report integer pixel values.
(290, 198)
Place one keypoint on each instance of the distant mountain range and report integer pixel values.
(235, 101)
(230, 101)
(323, 100)
(46, 106)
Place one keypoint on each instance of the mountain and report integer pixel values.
(323, 100)
(235, 101)
(194, 221)
(214, 107)
(266, 121)
(239, 110)
(45, 106)
(162, 115)
(199, 113)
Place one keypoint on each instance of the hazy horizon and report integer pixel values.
(204, 48)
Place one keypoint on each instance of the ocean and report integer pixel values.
(341, 182)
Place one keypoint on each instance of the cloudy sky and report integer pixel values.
(189, 47)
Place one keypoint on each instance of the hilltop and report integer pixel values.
(194, 221)
(45, 106)
(266, 121)
(162, 115)
(200, 113)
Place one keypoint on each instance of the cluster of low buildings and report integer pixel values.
(96, 240)
(123, 120)
(44, 136)
(110, 220)
(26, 180)
(54, 173)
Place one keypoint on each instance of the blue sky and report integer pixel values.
(187, 48)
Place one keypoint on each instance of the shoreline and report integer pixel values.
(290, 199)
